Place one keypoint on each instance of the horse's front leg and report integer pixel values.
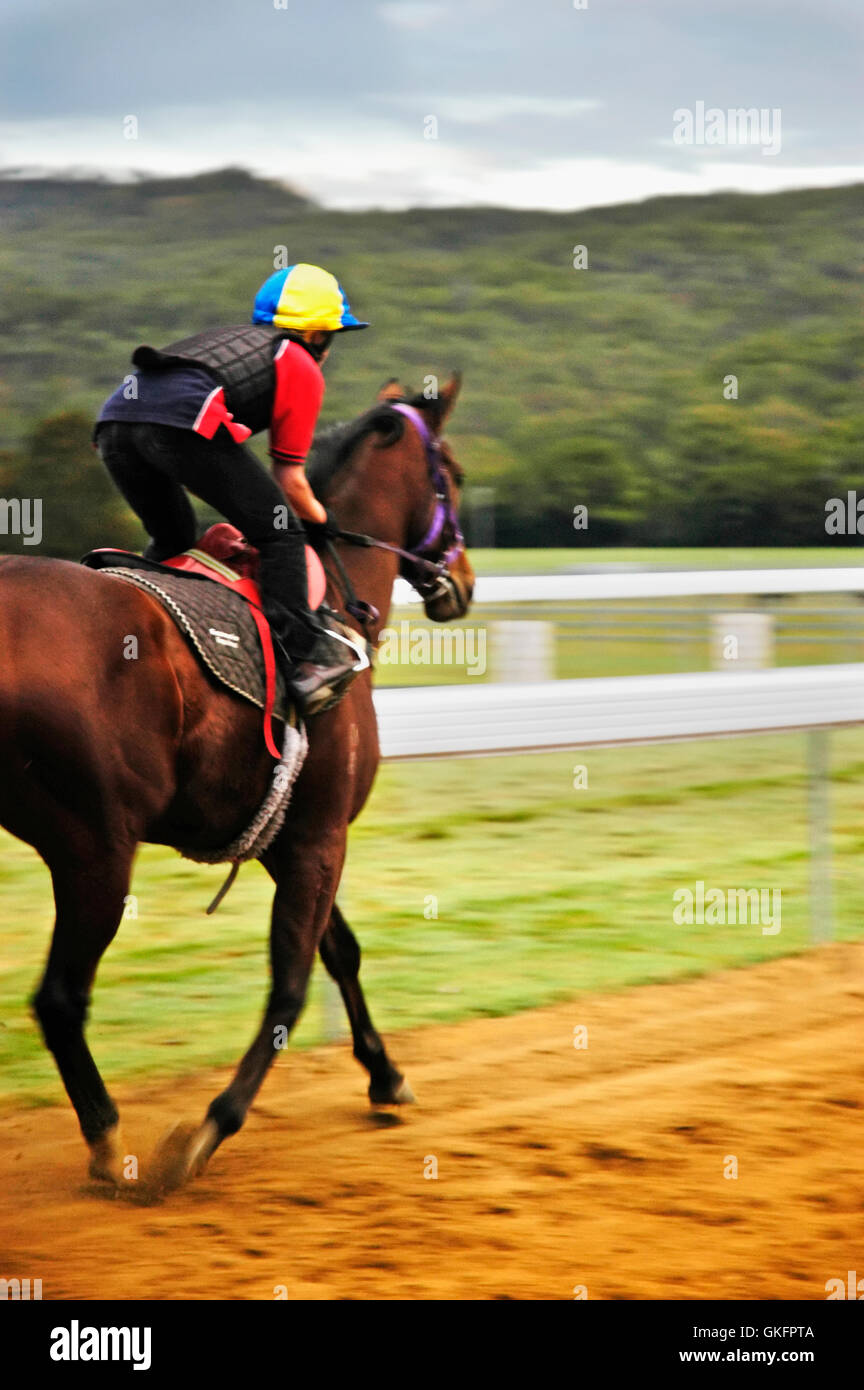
(340, 952)
(306, 875)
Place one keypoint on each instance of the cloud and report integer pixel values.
(368, 165)
(570, 184)
(412, 14)
(493, 107)
(530, 99)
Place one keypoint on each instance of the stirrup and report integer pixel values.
(325, 696)
(352, 640)
(330, 692)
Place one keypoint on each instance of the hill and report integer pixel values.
(600, 386)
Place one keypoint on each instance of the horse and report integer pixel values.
(103, 753)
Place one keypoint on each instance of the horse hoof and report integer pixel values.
(106, 1158)
(396, 1092)
(180, 1156)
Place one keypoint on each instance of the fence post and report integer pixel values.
(522, 650)
(742, 641)
(819, 819)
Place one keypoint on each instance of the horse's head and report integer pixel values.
(394, 482)
(436, 562)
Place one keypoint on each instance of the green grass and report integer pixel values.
(542, 891)
(565, 561)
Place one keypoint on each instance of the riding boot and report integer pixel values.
(319, 660)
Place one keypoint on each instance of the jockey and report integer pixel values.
(180, 422)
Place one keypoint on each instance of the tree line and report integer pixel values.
(686, 370)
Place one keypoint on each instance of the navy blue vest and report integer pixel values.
(239, 358)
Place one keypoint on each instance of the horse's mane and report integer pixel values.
(334, 445)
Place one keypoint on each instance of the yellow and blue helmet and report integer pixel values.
(304, 297)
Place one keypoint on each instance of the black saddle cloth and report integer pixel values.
(216, 622)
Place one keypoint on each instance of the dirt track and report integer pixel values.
(556, 1167)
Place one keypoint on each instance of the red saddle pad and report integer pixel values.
(224, 544)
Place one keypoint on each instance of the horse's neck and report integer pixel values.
(376, 498)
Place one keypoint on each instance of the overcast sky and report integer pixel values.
(537, 103)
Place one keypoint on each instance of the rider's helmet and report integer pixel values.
(304, 298)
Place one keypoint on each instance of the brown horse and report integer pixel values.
(101, 753)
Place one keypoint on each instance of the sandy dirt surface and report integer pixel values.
(557, 1167)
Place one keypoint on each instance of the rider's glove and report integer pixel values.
(318, 532)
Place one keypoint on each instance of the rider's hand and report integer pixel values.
(318, 532)
(316, 514)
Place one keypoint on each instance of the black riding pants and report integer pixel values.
(152, 464)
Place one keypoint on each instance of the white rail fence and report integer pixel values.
(471, 720)
(523, 648)
(484, 720)
(642, 584)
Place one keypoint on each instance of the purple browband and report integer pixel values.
(413, 414)
(444, 511)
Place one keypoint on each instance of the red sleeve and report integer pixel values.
(296, 403)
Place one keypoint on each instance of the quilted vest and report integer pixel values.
(239, 357)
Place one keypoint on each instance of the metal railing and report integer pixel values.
(482, 720)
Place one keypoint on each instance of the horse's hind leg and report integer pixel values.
(306, 878)
(89, 898)
(340, 952)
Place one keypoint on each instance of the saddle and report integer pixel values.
(212, 594)
(222, 554)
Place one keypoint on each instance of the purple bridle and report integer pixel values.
(444, 513)
(437, 579)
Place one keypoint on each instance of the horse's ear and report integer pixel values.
(391, 391)
(442, 406)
